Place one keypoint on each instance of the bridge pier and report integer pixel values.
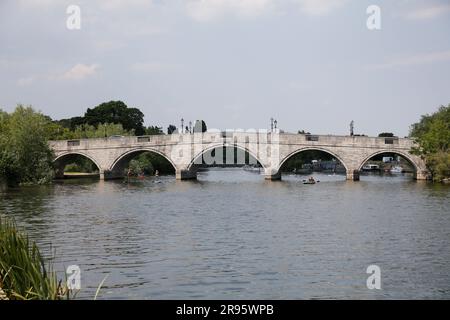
(184, 174)
(272, 174)
(353, 175)
(273, 177)
(422, 175)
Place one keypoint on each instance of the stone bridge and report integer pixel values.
(271, 149)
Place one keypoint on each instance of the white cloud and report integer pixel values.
(430, 12)
(412, 60)
(80, 71)
(319, 7)
(207, 10)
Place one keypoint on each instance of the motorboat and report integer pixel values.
(396, 169)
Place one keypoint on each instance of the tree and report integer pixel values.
(200, 126)
(25, 156)
(432, 133)
(116, 112)
(71, 123)
(386, 135)
(171, 129)
(152, 130)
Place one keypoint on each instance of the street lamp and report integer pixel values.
(182, 125)
(271, 124)
(275, 123)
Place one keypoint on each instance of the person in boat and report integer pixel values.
(311, 180)
(156, 173)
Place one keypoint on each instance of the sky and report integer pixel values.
(312, 65)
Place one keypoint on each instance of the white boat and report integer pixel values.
(396, 169)
(371, 167)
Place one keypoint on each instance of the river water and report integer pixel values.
(233, 235)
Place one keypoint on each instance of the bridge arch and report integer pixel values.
(63, 159)
(405, 155)
(117, 167)
(312, 148)
(223, 145)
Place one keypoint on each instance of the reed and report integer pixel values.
(24, 273)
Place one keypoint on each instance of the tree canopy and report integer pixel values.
(116, 112)
(432, 133)
(25, 156)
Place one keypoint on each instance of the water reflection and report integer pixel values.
(231, 234)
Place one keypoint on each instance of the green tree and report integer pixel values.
(116, 112)
(152, 130)
(432, 133)
(25, 156)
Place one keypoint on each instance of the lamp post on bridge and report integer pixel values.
(182, 126)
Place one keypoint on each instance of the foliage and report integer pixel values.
(386, 135)
(171, 129)
(440, 165)
(24, 274)
(81, 164)
(148, 163)
(154, 130)
(114, 112)
(432, 133)
(102, 130)
(25, 156)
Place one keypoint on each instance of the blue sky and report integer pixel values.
(311, 64)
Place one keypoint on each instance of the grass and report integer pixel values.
(24, 273)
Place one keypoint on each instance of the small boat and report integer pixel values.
(396, 169)
(371, 167)
(310, 181)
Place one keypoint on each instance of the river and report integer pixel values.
(233, 235)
